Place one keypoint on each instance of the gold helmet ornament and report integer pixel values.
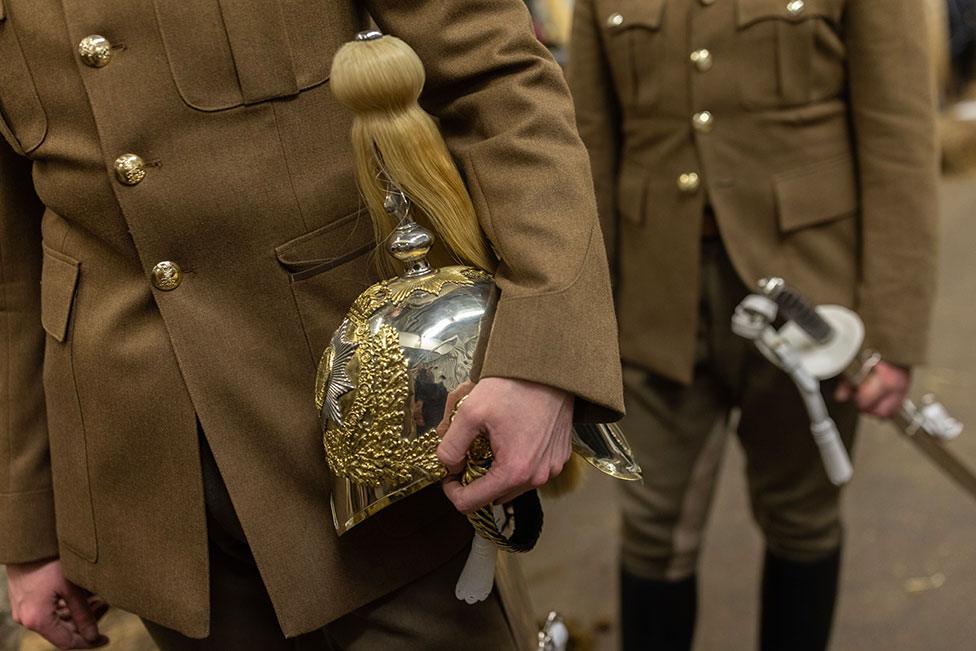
(410, 345)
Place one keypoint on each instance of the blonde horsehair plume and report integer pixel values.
(379, 78)
(395, 141)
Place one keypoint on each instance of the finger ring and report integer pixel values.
(457, 406)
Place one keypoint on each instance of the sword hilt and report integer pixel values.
(795, 307)
(931, 417)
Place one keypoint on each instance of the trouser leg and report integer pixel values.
(678, 438)
(798, 510)
(678, 434)
(793, 501)
(426, 616)
(795, 505)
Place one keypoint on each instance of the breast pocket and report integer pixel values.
(789, 52)
(635, 48)
(23, 122)
(229, 53)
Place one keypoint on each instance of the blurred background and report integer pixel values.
(909, 578)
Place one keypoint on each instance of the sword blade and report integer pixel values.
(943, 457)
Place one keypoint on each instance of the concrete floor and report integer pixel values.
(910, 562)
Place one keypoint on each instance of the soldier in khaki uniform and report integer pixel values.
(731, 140)
(180, 233)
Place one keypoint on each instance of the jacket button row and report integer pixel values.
(95, 51)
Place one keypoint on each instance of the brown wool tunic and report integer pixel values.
(162, 189)
(807, 125)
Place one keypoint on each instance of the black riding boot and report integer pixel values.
(798, 603)
(657, 615)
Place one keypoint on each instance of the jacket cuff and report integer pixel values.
(565, 339)
(895, 351)
(27, 527)
(901, 336)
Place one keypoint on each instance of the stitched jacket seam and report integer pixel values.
(572, 283)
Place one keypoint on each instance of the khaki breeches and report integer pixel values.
(679, 434)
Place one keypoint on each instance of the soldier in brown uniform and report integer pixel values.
(179, 235)
(731, 140)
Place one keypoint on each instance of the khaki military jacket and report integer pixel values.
(807, 125)
(180, 233)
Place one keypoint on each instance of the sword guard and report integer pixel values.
(827, 360)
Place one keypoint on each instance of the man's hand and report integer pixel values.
(530, 427)
(882, 392)
(43, 600)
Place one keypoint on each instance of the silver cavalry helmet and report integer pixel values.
(385, 380)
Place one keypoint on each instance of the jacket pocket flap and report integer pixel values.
(622, 14)
(816, 194)
(632, 193)
(261, 50)
(327, 247)
(227, 53)
(751, 11)
(59, 280)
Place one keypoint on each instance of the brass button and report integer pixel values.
(703, 121)
(615, 20)
(689, 182)
(702, 59)
(95, 51)
(167, 276)
(796, 7)
(130, 169)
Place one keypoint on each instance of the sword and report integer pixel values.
(927, 425)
